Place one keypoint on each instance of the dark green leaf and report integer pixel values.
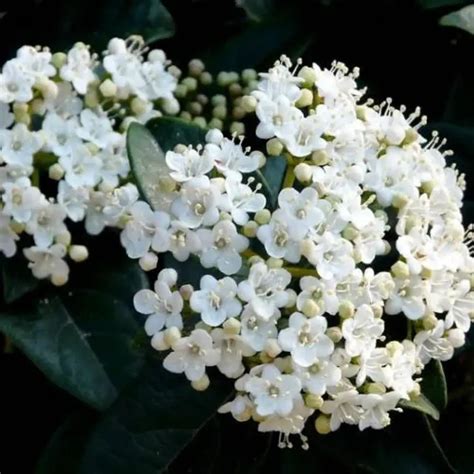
(64, 450)
(82, 340)
(150, 424)
(421, 404)
(258, 10)
(17, 278)
(272, 176)
(434, 384)
(440, 3)
(462, 19)
(169, 132)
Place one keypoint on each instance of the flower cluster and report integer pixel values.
(367, 231)
(63, 119)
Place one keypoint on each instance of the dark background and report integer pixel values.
(402, 52)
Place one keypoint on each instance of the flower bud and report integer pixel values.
(108, 88)
(238, 113)
(64, 238)
(274, 147)
(220, 112)
(308, 74)
(237, 128)
(313, 401)
(158, 342)
(172, 335)
(250, 229)
(377, 388)
(59, 279)
(254, 259)
(249, 75)
(273, 262)
(190, 83)
(186, 292)
(78, 253)
(59, 60)
(56, 172)
(346, 309)
(305, 100)
(310, 308)
(38, 107)
(272, 348)
(323, 424)
(201, 384)
(334, 333)
(205, 78)
(216, 123)
(320, 158)
(249, 103)
(148, 262)
(196, 67)
(350, 232)
(456, 337)
(399, 201)
(429, 321)
(138, 106)
(200, 122)
(170, 106)
(400, 270)
(263, 216)
(378, 310)
(214, 136)
(303, 173)
(291, 298)
(235, 89)
(231, 326)
(181, 91)
(416, 392)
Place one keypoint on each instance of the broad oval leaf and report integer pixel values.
(434, 386)
(150, 424)
(83, 339)
(462, 19)
(17, 278)
(421, 404)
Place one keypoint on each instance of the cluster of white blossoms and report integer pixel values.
(298, 306)
(63, 119)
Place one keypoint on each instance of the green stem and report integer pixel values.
(266, 184)
(298, 272)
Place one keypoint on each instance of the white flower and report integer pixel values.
(375, 409)
(197, 203)
(21, 199)
(216, 300)
(373, 363)
(81, 167)
(362, 331)
(322, 292)
(408, 297)
(36, 63)
(18, 145)
(6, 117)
(305, 339)
(162, 306)
(279, 239)
(96, 129)
(221, 247)
(46, 223)
(256, 331)
(273, 392)
(240, 200)
(188, 164)
(404, 364)
(78, 68)
(15, 84)
(192, 354)
(60, 134)
(232, 348)
(265, 289)
(8, 238)
(344, 407)
(159, 83)
(433, 344)
(48, 262)
(462, 308)
(318, 376)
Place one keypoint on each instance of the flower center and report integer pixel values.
(273, 391)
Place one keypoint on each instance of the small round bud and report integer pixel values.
(64, 238)
(310, 308)
(305, 100)
(237, 127)
(416, 392)
(108, 88)
(429, 321)
(350, 232)
(456, 337)
(377, 388)
(194, 108)
(399, 201)
(250, 229)
(181, 91)
(220, 112)
(249, 103)
(190, 83)
(20, 108)
(291, 298)
(303, 173)
(91, 99)
(323, 424)
(254, 259)
(263, 216)
(214, 136)
(170, 106)
(393, 347)
(235, 90)
(249, 75)
(17, 227)
(378, 310)
(186, 292)
(274, 147)
(59, 279)
(206, 78)
(238, 113)
(38, 106)
(175, 71)
(334, 333)
(313, 401)
(200, 122)
(411, 136)
(148, 262)
(308, 74)
(231, 326)
(56, 172)
(272, 348)
(400, 270)
(265, 358)
(218, 99)
(185, 115)
(172, 335)
(78, 253)
(59, 60)
(273, 262)
(346, 309)
(196, 67)
(320, 158)
(201, 384)
(158, 342)
(216, 123)
(157, 56)
(138, 106)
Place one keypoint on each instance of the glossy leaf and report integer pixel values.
(17, 278)
(150, 424)
(462, 19)
(421, 404)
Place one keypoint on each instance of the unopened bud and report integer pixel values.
(303, 173)
(64, 238)
(231, 326)
(310, 308)
(323, 424)
(59, 279)
(196, 67)
(250, 229)
(108, 88)
(305, 100)
(334, 333)
(148, 262)
(201, 384)
(400, 270)
(346, 309)
(78, 253)
(274, 147)
(313, 401)
(272, 348)
(56, 172)
(186, 292)
(263, 216)
(308, 74)
(249, 103)
(158, 342)
(172, 335)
